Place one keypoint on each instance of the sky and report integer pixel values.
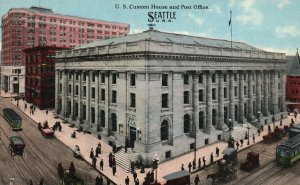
(271, 25)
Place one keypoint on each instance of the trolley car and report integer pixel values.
(288, 152)
(12, 118)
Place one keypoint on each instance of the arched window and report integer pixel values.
(164, 130)
(102, 118)
(186, 123)
(201, 120)
(114, 122)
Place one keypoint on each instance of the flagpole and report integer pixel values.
(231, 29)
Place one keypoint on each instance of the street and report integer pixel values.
(41, 158)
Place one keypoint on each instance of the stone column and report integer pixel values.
(266, 94)
(88, 97)
(221, 124)
(275, 92)
(195, 103)
(241, 97)
(283, 85)
(97, 100)
(80, 73)
(72, 95)
(250, 96)
(209, 126)
(56, 90)
(258, 91)
(64, 92)
(107, 112)
(231, 95)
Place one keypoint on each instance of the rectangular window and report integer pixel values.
(84, 77)
(93, 92)
(186, 95)
(102, 94)
(76, 90)
(164, 100)
(245, 90)
(132, 100)
(214, 97)
(84, 91)
(77, 76)
(114, 78)
(70, 89)
(132, 79)
(94, 77)
(164, 80)
(225, 92)
(235, 91)
(70, 76)
(186, 79)
(213, 78)
(201, 95)
(225, 78)
(235, 77)
(114, 97)
(103, 78)
(200, 78)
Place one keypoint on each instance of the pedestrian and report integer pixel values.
(97, 180)
(41, 182)
(217, 151)
(114, 148)
(212, 158)
(113, 160)
(127, 181)
(197, 180)
(199, 163)
(30, 182)
(132, 165)
(101, 180)
(237, 145)
(194, 164)
(46, 111)
(190, 166)
(204, 160)
(99, 145)
(142, 168)
(182, 168)
(126, 144)
(110, 159)
(92, 153)
(258, 131)
(114, 169)
(152, 176)
(269, 128)
(101, 164)
(253, 138)
(242, 141)
(107, 181)
(97, 151)
(137, 182)
(246, 135)
(94, 160)
(134, 175)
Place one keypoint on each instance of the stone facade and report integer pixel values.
(161, 93)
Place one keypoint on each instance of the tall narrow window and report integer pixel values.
(225, 92)
(114, 97)
(186, 95)
(132, 100)
(164, 80)
(213, 78)
(186, 123)
(225, 78)
(132, 79)
(185, 79)
(201, 95)
(84, 91)
(76, 90)
(200, 78)
(93, 115)
(94, 77)
(235, 91)
(214, 94)
(84, 77)
(201, 120)
(164, 130)
(164, 100)
(103, 78)
(102, 94)
(114, 78)
(93, 92)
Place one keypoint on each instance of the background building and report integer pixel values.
(29, 27)
(160, 89)
(293, 83)
(40, 76)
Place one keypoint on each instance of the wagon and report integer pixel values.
(16, 145)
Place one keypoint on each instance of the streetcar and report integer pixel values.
(294, 130)
(288, 152)
(12, 118)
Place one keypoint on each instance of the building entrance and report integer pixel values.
(132, 136)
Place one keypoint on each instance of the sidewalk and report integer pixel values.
(88, 141)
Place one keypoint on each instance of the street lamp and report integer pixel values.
(258, 116)
(155, 165)
(248, 143)
(230, 124)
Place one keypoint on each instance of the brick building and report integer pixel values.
(40, 76)
(293, 83)
(161, 90)
(29, 27)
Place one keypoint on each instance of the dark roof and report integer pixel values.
(229, 151)
(293, 65)
(176, 175)
(292, 142)
(167, 37)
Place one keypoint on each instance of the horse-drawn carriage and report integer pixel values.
(252, 161)
(226, 170)
(274, 136)
(45, 130)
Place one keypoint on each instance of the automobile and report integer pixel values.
(47, 132)
(16, 145)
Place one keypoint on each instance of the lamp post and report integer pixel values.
(155, 165)
(230, 124)
(248, 143)
(258, 116)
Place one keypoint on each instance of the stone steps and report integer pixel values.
(124, 159)
(238, 132)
